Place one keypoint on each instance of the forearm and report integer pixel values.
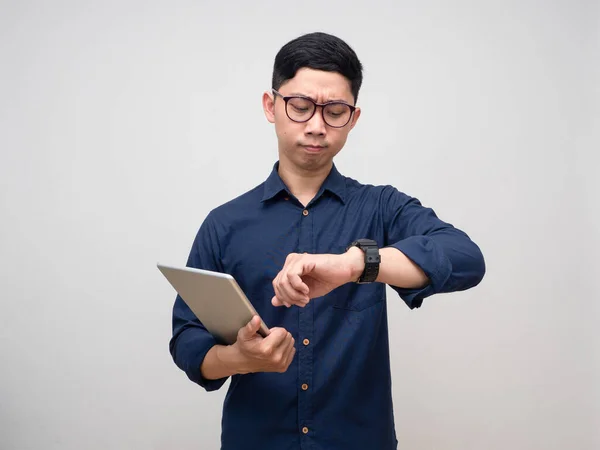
(448, 257)
(222, 361)
(395, 269)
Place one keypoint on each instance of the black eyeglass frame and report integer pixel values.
(286, 99)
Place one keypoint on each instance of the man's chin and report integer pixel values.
(315, 162)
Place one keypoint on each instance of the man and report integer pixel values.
(313, 250)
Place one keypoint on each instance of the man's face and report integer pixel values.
(310, 145)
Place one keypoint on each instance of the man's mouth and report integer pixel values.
(313, 148)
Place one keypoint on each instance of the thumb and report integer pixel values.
(250, 328)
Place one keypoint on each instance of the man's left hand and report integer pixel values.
(306, 276)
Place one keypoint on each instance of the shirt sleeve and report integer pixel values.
(451, 260)
(191, 341)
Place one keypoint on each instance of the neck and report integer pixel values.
(303, 184)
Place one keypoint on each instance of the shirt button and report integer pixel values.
(305, 430)
(305, 212)
(306, 342)
(304, 387)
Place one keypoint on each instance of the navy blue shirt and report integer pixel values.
(342, 342)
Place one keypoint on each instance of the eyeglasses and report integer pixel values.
(301, 109)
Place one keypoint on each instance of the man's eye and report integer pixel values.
(299, 109)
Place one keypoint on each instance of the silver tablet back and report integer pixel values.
(215, 298)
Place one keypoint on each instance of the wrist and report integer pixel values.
(355, 258)
(233, 360)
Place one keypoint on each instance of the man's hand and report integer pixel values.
(257, 354)
(306, 276)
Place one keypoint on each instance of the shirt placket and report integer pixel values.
(305, 344)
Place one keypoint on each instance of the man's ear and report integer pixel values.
(355, 117)
(268, 101)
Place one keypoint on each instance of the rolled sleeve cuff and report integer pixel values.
(190, 350)
(430, 257)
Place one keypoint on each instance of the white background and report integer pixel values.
(123, 123)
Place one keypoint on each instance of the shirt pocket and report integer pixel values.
(357, 297)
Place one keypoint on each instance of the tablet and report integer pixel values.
(215, 298)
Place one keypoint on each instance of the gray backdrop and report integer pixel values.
(123, 123)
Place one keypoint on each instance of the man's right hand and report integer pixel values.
(250, 353)
(273, 353)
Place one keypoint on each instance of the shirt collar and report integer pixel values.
(334, 183)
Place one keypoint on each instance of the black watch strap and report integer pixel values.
(372, 259)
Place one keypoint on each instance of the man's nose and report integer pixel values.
(316, 124)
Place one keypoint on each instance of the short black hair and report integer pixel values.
(319, 51)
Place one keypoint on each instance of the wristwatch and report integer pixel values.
(372, 259)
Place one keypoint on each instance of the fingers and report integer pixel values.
(278, 299)
(287, 294)
(299, 290)
(271, 354)
(297, 284)
(276, 338)
(290, 356)
(249, 330)
(276, 302)
(288, 286)
(284, 354)
(289, 346)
